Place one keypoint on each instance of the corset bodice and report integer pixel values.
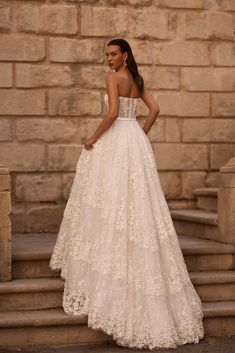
(127, 107)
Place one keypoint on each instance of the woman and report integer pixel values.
(117, 248)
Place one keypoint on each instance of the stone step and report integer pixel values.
(197, 223)
(207, 198)
(219, 319)
(46, 293)
(213, 286)
(46, 327)
(31, 294)
(54, 327)
(31, 255)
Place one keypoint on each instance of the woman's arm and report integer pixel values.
(153, 110)
(112, 90)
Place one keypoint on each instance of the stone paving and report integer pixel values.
(207, 345)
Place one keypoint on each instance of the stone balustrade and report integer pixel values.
(5, 226)
(226, 203)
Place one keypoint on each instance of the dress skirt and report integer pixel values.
(118, 251)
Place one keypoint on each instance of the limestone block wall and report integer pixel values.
(5, 226)
(52, 68)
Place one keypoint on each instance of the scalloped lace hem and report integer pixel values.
(149, 342)
(146, 336)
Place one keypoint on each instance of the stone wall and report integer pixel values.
(5, 226)
(52, 68)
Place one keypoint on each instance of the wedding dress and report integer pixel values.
(117, 248)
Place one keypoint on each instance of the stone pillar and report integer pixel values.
(226, 203)
(5, 226)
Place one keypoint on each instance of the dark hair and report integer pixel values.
(131, 63)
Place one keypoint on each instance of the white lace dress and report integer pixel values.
(117, 248)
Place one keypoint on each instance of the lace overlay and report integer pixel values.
(117, 248)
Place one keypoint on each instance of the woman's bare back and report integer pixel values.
(126, 85)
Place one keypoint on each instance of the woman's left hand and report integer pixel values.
(88, 143)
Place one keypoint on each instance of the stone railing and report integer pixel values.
(226, 203)
(5, 226)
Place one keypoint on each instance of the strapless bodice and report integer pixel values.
(127, 107)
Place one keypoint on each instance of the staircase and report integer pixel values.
(212, 272)
(201, 222)
(31, 304)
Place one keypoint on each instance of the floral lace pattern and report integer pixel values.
(127, 107)
(117, 248)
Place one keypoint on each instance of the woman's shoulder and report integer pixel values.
(111, 75)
